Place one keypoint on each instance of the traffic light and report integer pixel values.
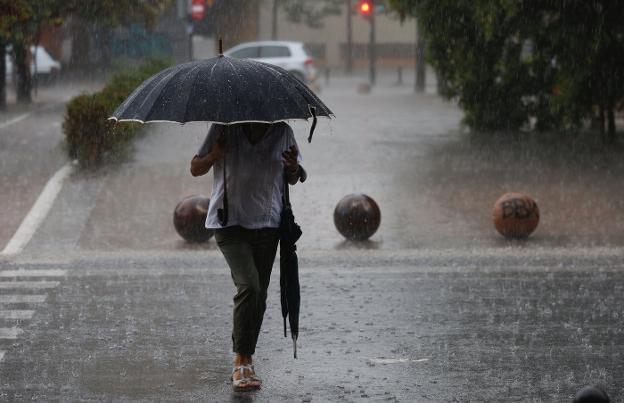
(365, 8)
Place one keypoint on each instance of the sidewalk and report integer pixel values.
(31, 151)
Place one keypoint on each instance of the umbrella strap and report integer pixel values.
(313, 112)
(225, 198)
(223, 213)
(286, 191)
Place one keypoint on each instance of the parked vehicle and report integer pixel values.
(43, 65)
(291, 56)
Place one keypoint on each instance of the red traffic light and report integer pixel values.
(365, 8)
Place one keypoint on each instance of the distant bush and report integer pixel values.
(90, 137)
(126, 80)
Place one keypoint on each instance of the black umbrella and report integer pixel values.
(289, 268)
(222, 90)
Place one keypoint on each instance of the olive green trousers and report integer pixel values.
(250, 253)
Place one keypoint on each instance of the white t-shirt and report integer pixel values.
(255, 176)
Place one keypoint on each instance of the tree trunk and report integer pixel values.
(81, 39)
(22, 67)
(105, 43)
(601, 120)
(3, 95)
(610, 138)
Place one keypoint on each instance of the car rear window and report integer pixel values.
(244, 53)
(274, 51)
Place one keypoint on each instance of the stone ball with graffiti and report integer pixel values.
(515, 215)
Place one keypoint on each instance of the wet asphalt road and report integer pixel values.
(435, 307)
(416, 326)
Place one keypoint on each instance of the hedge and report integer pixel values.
(90, 137)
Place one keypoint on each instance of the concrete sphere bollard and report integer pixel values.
(189, 218)
(591, 394)
(357, 217)
(363, 88)
(515, 215)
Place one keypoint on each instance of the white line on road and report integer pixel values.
(395, 360)
(37, 213)
(2, 355)
(10, 332)
(17, 314)
(33, 273)
(28, 284)
(14, 120)
(22, 299)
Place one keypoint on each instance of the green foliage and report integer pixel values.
(555, 63)
(126, 79)
(90, 137)
(112, 13)
(21, 21)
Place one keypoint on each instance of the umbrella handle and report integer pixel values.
(313, 112)
(285, 334)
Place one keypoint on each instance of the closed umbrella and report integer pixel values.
(290, 296)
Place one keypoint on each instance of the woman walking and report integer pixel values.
(255, 157)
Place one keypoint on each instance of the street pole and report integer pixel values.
(371, 48)
(349, 68)
(274, 22)
(419, 85)
(189, 28)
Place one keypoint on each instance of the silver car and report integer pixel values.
(291, 56)
(43, 65)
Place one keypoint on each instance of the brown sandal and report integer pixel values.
(250, 382)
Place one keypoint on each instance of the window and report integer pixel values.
(274, 51)
(248, 52)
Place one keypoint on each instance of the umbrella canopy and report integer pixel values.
(290, 296)
(221, 90)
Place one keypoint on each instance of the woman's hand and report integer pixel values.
(201, 165)
(289, 158)
(292, 165)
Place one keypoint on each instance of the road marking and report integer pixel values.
(38, 212)
(17, 314)
(2, 354)
(14, 120)
(22, 299)
(10, 332)
(395, 360)
(33, 273)
(28, 284)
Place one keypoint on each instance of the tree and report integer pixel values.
(591, 80)
(555, 63)
(21, 22)
(20, 25)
